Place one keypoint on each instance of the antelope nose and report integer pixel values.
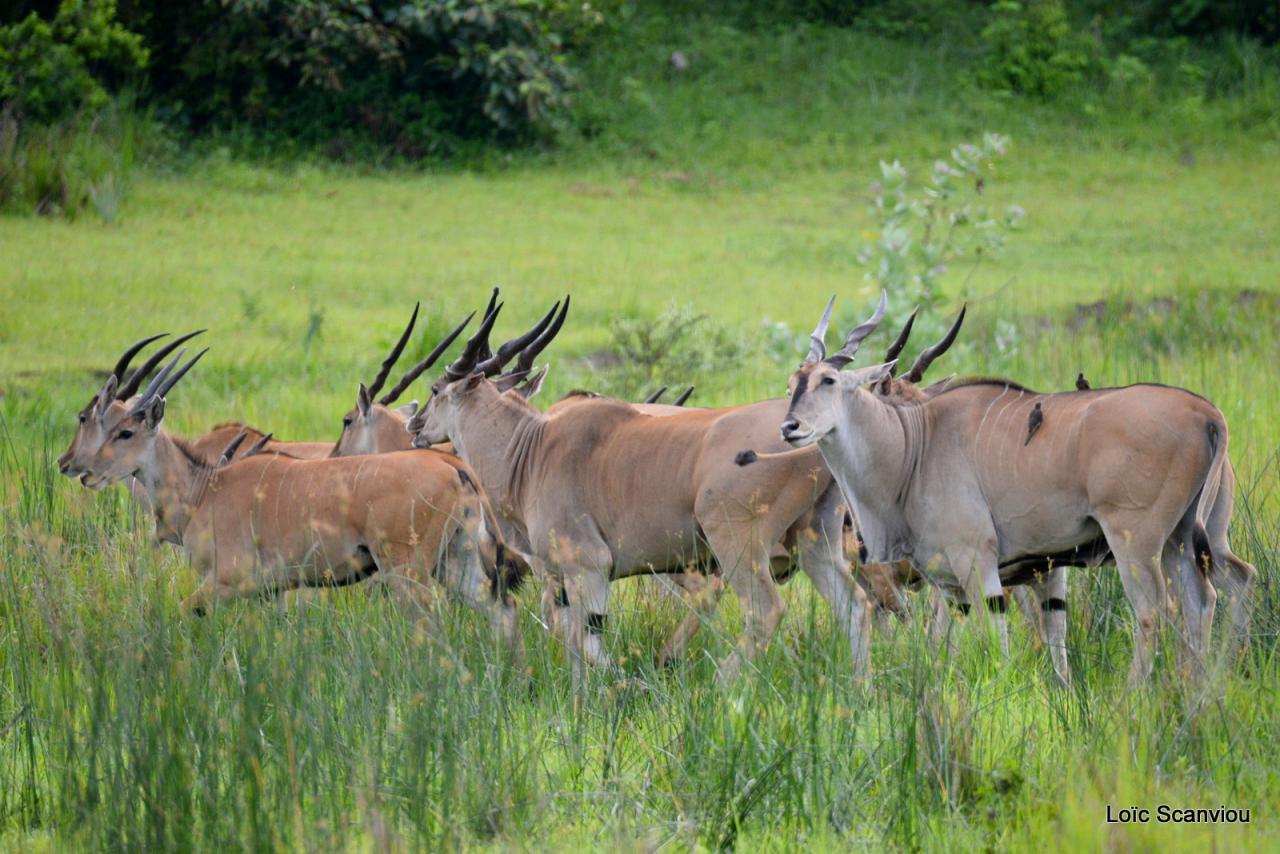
(790, 426)
(64, 465)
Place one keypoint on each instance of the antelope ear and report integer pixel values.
(868, 375)
(533, 385)
(472, 381)
(154, 413)
(363, 403)
(408, 409)
(106, 394)
(942, 383)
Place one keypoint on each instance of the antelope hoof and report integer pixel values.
(667, 661)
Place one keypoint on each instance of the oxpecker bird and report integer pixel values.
(1033, 423)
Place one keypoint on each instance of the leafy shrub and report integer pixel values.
(416, 76)
(1129, 74)
(1032, 49)
(678, 345)
(908, 19)
(893, 18)
(927, 227)
(50, 70)
(64, 168)
(1201, 19)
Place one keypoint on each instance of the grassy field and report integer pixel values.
(337, 725)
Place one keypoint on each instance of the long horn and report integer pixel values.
(930, 353)
(861, 331)
(390, 361)
(123, 364)
(684, 398)
(156, 382)
(173, 380)
(232, 448)
(525, 361)
(493, 365)
(164, 381)
(256, 447)
(130, 386)
(817, 344)
(656, 396)
(895, 349)
(416, 371)
(145, 399)
(466, 363)
(484, 353)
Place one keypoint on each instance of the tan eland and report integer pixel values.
(977, 480)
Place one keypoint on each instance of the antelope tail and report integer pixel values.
(1217, 434)
(505, 567)
(747, 456)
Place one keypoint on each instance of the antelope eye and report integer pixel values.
(828, 380)
(346, 422)
(125, 434)
(82, 418)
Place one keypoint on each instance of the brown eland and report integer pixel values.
(269, 522)
(601, 491)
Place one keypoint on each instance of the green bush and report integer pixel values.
(417, 77)
(1032, 49)
(64, 145)
(1198, 19)
(53, 69)
(893, 18)
(64, 168)
(680, 342)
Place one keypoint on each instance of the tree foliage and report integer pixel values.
(413, 75)
(52, 68)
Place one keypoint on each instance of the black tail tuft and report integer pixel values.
(1203, 554)
(511, 572)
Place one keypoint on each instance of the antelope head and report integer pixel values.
(110, 403)
(128, 429)
(373, 426)
(473, 370)
(821, 393)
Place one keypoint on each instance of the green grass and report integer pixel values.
(337, 725)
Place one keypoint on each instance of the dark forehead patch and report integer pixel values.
(802, 385)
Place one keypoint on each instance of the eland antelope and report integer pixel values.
(206, 447)
(601, 491)
(952, 485)
(810, 538)
(374, 426)
(270, 522)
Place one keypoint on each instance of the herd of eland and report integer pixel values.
(864, 480)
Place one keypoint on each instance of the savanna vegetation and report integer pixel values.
(295, 176)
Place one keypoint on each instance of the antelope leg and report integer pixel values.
(1050, 588)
